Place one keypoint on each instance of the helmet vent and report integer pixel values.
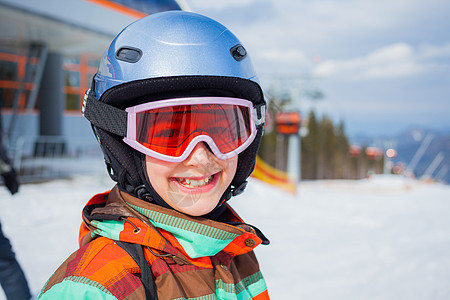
(129, 54)
(238, 52)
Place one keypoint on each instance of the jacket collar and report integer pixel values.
(119, 216)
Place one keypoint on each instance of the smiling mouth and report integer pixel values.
(195, 183)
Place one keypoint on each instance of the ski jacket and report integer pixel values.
(189, 257)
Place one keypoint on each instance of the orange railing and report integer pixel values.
(273, 176)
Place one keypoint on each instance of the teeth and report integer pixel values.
(195, 183)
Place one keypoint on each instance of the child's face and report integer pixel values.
(195, 185)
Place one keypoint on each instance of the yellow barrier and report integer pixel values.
(273, 176)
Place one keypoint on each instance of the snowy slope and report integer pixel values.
(382, 238)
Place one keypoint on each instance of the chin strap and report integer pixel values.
(239, 189)
(142, 193)
(233, 191)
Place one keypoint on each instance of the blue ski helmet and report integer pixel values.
(171, 55)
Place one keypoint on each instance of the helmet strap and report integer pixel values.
(239, 189)
(146, 190)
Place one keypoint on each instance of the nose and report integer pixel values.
(200, 156)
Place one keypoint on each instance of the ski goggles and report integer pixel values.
(170, 129)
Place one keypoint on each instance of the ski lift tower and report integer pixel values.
(288, 127)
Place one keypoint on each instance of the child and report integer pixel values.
(178, 113)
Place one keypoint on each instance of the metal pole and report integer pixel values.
(434, 164)
(420, 152)
(440, 175)
(43, 53)
(34, 51)
(293, 157)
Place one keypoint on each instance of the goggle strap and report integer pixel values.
(259, 115)
(104, 116)
(114, 120)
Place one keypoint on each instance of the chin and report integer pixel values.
(193, 206)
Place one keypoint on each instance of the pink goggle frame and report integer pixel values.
(132, 124)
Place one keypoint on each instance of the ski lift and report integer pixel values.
(288, 122)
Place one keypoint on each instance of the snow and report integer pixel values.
(386, 237)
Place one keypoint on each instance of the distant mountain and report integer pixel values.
(426, 152)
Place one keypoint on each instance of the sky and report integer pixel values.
(382, 66)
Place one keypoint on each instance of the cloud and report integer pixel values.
(378, 58)
(284, 35)
(290, 56)
(394, 61)
(218, 5)
(238, 14)
(433, 51)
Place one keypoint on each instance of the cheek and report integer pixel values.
(229, 166)
(158, 172)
